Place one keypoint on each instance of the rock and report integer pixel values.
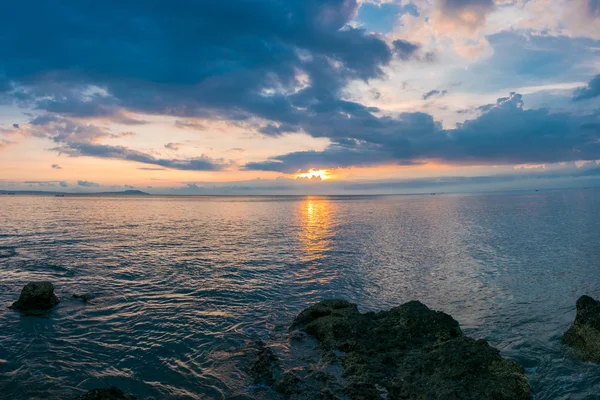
(584, 335)
(36, 296)
(85, 297)
(106, 394)
(411, 352)
(288, 383)
(264, 368)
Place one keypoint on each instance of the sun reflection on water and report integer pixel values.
(315, 221)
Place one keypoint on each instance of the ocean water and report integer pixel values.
(181, 281)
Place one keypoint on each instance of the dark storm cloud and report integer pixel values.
(202, 163)
(591, 90)
(227, 58)
(505, 133)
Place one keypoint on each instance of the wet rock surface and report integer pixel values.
(300, 374)
(106, 394)
(264, 368)
(409, 352)
(36, 296)
(584, 335)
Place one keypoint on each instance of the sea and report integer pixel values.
(180, 283)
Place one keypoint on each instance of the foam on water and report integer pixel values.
(181, 283)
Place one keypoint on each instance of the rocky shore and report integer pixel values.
(407, 352)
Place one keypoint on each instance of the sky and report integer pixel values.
(299, 96)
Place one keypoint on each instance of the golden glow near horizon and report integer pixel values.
(315, 220)
(312, 173)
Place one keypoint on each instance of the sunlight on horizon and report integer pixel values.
(312, 173)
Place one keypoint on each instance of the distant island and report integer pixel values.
(61, 194)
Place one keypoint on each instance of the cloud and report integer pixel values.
(77, 139)
(87, 184)
(122, 135)
(174, 146)
(548, 176)
(433, 93)
(235, 67)
(505, 133)
(47, 183)
(592, 89)
(5, 143)
(404, 49)
(461, 15)
(151, 169)
(202, 163)
(190, 125)
(56, 166)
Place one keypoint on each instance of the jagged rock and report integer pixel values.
(264, 368)
(584, 335)
(411, 352)
(106, 394)
(36, 296)
(288, 383)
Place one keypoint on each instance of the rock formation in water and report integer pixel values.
(36, 296)
(264, 367)
(409, 352)
(303, 383)
(584, 335)
(106, 394)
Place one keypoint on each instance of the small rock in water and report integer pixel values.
(106, 394)
(36, 296)
(584, 335)
(85, 297)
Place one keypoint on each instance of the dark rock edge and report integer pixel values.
(408, 352)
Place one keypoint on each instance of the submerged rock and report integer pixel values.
(106, 394)
(584, 335)
(411, 352)
(264, 368)
(36, 296)
(85, 297)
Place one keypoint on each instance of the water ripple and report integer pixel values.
(180, 283)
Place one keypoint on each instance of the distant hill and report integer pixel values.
(47, 193)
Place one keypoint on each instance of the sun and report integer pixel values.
(315, 173)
